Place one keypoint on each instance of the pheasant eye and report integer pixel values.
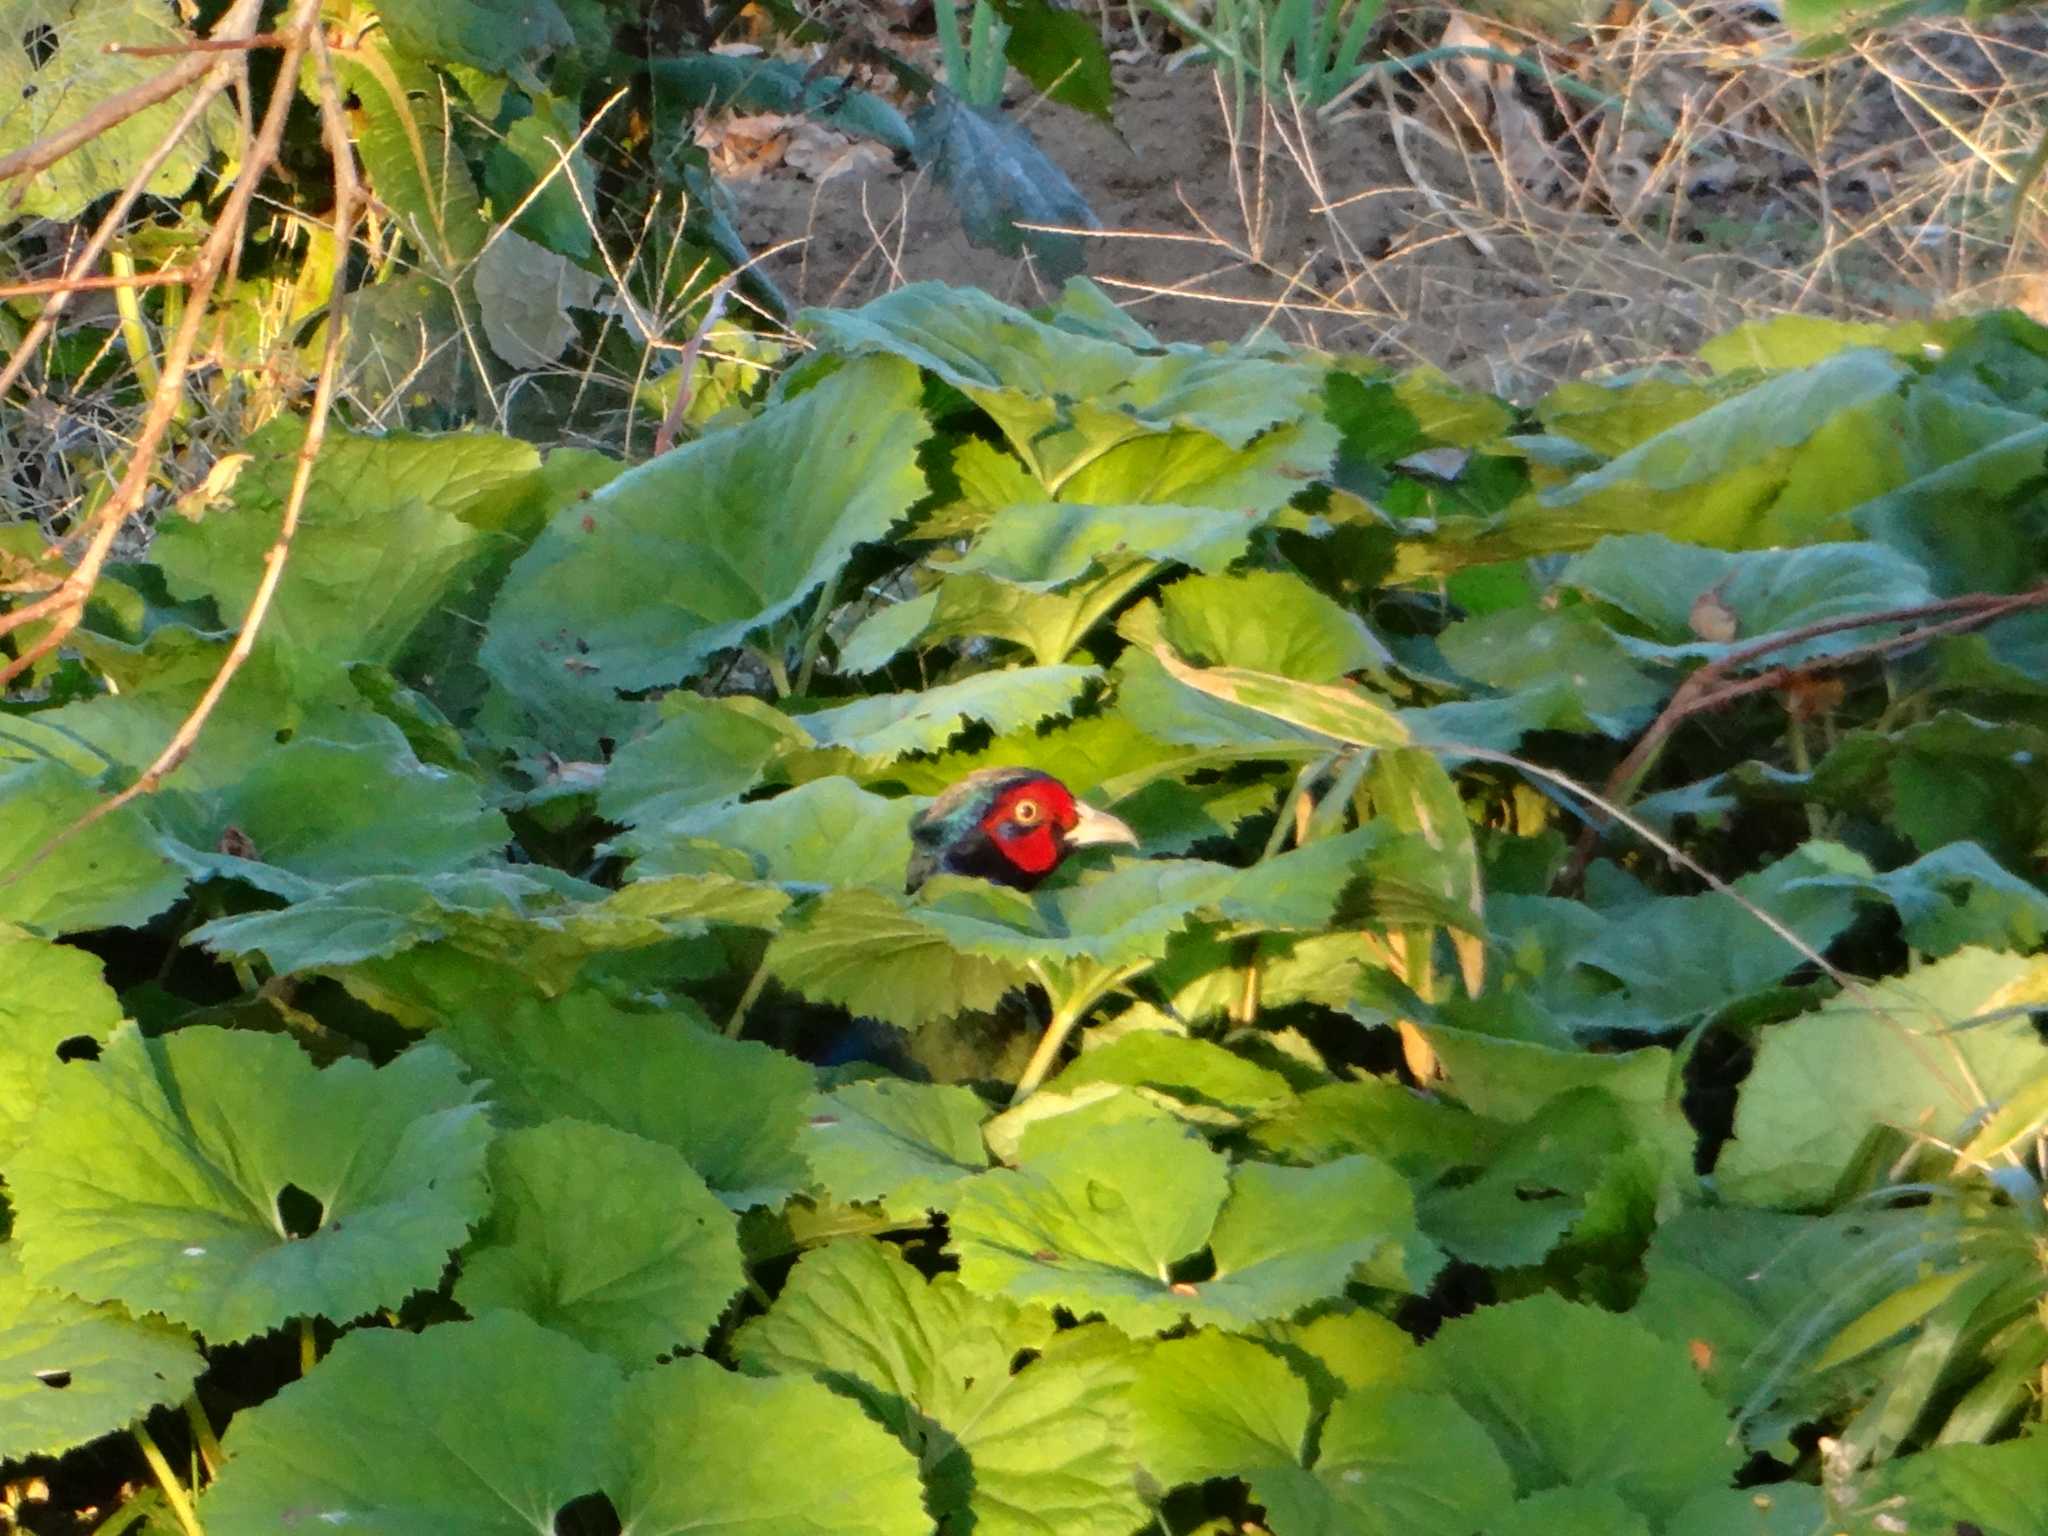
(1025, 812)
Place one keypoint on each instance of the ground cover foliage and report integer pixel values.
(498, 1083)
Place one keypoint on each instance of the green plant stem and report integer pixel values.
(174, 1491)
(140, 357)
(309, 1347)
(1802, 764)
(814, 635)
(1066, 1016)
(748, 998)
(210, 1454)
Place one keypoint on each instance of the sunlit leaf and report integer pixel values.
(224, 1181)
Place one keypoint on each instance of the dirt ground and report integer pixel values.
(1484, 219)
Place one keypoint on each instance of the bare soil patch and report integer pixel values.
(1493, 222)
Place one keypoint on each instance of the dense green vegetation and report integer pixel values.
(560, 811)
(1561, 1057)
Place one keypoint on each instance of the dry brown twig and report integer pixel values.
(68, 601)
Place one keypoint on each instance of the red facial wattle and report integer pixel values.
(1026, 822)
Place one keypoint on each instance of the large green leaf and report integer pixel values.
(1656, 583)
(391, 526)
(869, 953)
(116, 873)
(692, 1459)
(495, 36)
(890, 725)
(1781, 462)
(221, 1179)
(635, 586)
(1522, 654)
(1640, 1424)
(828, 832)
(1391, 1461)
(51, 994)
(1106, 1222)
(535, 917)
(1269, 621)
(1216, 1405)
(910, 1146)
(1006, 1450)
(705, 751)
(333, 811)
(473, 1429)
(733, 1108)
(608, 1238)
(1063, 398)
(62, 67)
(1904, 1054)
(71, 1371)
(1045, 545)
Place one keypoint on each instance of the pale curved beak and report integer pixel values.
(1092, 827)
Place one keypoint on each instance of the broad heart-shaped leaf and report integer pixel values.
(1779, 463)
(1392, 1461)
(1582, 1511)
(1520, 653)
(390, 527)
(71, 1371)
(1096, 1230)
(170, 1176)
(853, 1478)
(871, 955)
(546, 922)
(1902, 1054)
(1062, 398)
(1640, 1424)
(691, 552)
(1269, 621)
(1655, 582)
(1007, 1451)
(495, 36)
(1177, 1067)
(705, 751)
(1959, 895)
(1216, 1405)
(1537, 1186)
(1959, 502)
(116, 873)
(61, 69)
(829, 832)
(608, 1238)
(891, 725)
(733, 1108)
(1778, 1509)
(1045, 545)
(1000, 180)
(332, 811)
(474, 1429)
(51, 994)
(911, 1146)
(1099, 1223)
